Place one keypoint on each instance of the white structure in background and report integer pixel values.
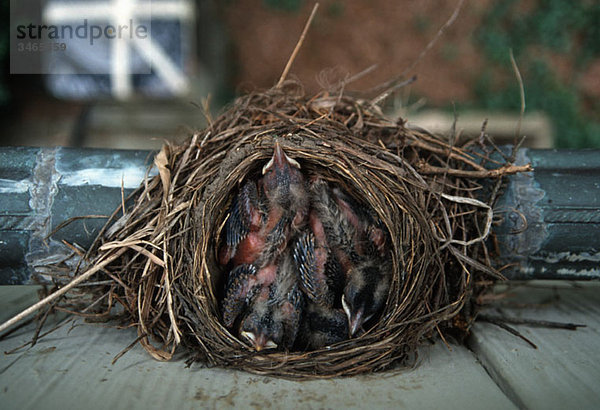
(125, 12)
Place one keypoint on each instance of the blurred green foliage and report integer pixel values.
(551, 27)
(422, 23)
(284, 5)
(335, 9)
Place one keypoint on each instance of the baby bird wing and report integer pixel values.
(244, 214)
(240, 289)
(312, 265)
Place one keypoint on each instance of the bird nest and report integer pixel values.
(161, 256)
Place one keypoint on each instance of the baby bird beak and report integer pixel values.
(355, 319)
(356, 322)
(279, 160)
(263, 343)
(259, 342)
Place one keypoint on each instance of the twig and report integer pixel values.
(501, 324)
(41, 323)
(473, 202)
(128, 348)
(357, 76)
(297, 48)
(508, 169)
(77, 251)
(58, 326)
(533, 322)
(206, 110)
(476, 264)
(384, 95)
(123, 193)
(73, 219)
(451, 152)
(84, 276)
(522, 97)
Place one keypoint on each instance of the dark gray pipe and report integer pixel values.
(42, 187)
(551, 224)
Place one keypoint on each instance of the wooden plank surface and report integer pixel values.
(72, 368)
(564, 371)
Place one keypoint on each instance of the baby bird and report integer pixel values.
(368, 274)
(286, 197)
(244, 237)
(319, 270)
(261, 219)
(370, 237)
(358, 243)
(261, 214)
(329, 218)
(258, 326)
(367, 286)
(287, 241)
(316, 251)
(284, 185)
(244, 284)
(273, 319)
(323, 326)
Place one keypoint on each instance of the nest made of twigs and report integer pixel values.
(161, 254)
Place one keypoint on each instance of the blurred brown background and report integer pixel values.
(244, 44)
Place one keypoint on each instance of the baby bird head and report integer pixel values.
(281, 174)
(262, 332)
(259, 327)
(364, 295)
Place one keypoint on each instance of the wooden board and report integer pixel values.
(72, 368)
(564, 371)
